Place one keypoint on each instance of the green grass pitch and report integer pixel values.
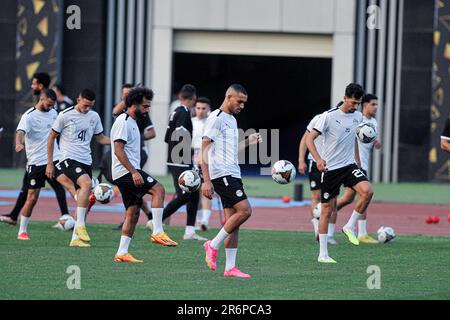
(283, 265)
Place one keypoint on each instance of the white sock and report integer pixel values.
(124, 244)
(81, 217)
(230, 258)
(74, 234)
(351, 224)
(157, 220)
(189, 230)
(331, 227)
(315, 223)
(323, 240)
(23, 224)
(362, 228)
(206, 216)
(199, 217)
(216, 243)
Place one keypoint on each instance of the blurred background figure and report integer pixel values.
(202, 110)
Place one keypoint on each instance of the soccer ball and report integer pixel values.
(67, 222)
(366, 132)
(103, 193)
(317, 210)
(283, 172)
(189, 181)
(386, 235)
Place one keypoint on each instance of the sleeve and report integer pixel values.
(23, 124)
(98, 126)
(311, 124)
(58, 125)
(321, 124)
(147, 123)
(212, 128)
(446, 132)
(120, 132)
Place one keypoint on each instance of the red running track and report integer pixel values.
(404, 218)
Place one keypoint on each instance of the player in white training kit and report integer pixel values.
(222, 174)
(315, 178)
(133, 182)
(369, 109)
(202, 111)
(76, 127)
(35, 126)
(340, 164)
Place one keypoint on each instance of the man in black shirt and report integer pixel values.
(179, 139)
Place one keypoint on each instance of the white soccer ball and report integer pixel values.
(317, 211)
(386, 235)
(283, 172)
(104, 193)
(189, 181)
(67, 222)
(366, 132)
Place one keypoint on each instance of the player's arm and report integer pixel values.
(149, 133)
(119, 108)
(20, 136)
(254, 138)
(302, 153)
(445, 137)
(207, 186)
(50, 170)
(102, 139)
(119, 151)
(357, 158)
(445, 145)
(321, 164)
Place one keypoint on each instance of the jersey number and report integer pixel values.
(82, 135)
(358, 173)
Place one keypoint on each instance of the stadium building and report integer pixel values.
(294, 56)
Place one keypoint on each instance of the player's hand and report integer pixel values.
(19, 147)
(208, 189)
(137, 179)
(302, 167)
(322, 165)
(50, 171)
(255, 138)
(377, 145)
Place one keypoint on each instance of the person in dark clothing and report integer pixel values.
(179, 139)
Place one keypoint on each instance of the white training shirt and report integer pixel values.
(365, 149)
(126, 129)
(319, 141)
(76, 130)
(223, 160)
(37, 126)
(339, 134)
(198, 126)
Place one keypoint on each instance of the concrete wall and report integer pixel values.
(319, 17)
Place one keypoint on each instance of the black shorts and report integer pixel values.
(332, 180)
(74, 169)
(36, 176)
(132, 195)
(315, 176)
(230, 190)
